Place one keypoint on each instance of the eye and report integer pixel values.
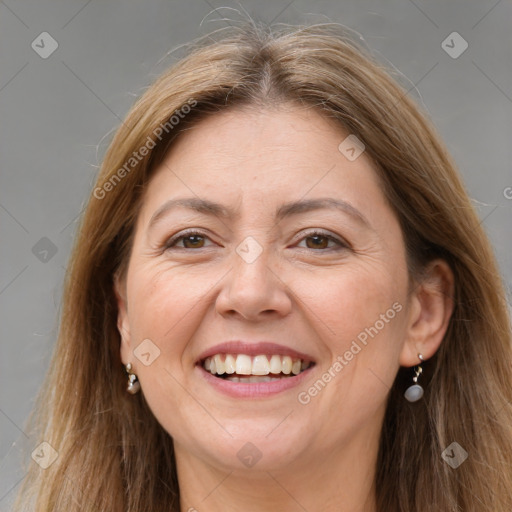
(187, 240)
(193, 239)
(319, 240)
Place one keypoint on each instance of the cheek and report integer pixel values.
(352, 300)
(362, 313)
(163, 302)
(163, 309)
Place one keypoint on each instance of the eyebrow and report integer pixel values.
(292, 208)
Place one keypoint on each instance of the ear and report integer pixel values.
(123, 324)
(430, 309)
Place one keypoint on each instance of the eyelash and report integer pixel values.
(170, 244)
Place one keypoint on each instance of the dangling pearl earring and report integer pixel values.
(133, 381)
(414, 392)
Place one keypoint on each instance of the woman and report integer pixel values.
(280, 298)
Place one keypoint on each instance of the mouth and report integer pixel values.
(244, 368)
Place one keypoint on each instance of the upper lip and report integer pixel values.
(254, 349)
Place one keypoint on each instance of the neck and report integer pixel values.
(333, 481)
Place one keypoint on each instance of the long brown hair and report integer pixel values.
(113, 454)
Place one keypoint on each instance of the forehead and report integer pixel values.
(279, 138)
(263, 158)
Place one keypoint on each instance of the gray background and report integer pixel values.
(58, 113)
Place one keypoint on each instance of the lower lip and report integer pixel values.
(253, 389)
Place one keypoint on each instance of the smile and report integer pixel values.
(241, 369)
(253, 369)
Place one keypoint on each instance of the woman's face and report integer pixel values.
(263, 247)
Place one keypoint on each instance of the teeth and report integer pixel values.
(275, 364)
(243, 364)
(230, 364)
(260, 366)
(220, 366)
(287, 365)
(253, 379)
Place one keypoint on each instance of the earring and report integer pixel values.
(133, 381)
(414, 392)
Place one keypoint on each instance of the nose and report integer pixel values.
(253, 291)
